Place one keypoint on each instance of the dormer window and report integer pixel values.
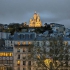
(27, 36)
(19, 36)
(30, 36)
(23, 36)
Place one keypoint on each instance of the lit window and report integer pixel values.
(10, 54)
(18, 62)
(24, 43)
(4, 54)
(2, 68)
(29, 43)
(18, 43)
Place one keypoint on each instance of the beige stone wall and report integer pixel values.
(26, 53)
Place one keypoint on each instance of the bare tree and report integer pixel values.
(58, 52)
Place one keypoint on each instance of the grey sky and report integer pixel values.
(22, 10)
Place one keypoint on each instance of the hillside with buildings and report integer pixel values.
(26, 47)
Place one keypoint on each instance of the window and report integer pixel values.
(4, 54)
(29, 49)
(31, 36)
(2, 68)
(1, 54)
(11, 41)
(19, 36)
(5, 61)
(44, 43)
(24, 43)
(24, 57)
(29, 68)
(18, 43)
(37, 43)
(29, 56)
(24, 68)
(27, 36)
(18, 50)
(1, 62)
(19, 56)
(18, 68)
(29, 43)
(11, 45)
(29, 63)
(10, 61)
(18, 62)
(23, 36)
(24, 49)
(10, 54)
(7, 54)
(24, 62)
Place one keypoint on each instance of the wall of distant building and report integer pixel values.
(4, 35)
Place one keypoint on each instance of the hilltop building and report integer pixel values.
(35, 21)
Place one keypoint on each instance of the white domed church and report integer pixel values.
(35, 21)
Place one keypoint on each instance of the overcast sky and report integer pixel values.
(57, 11)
